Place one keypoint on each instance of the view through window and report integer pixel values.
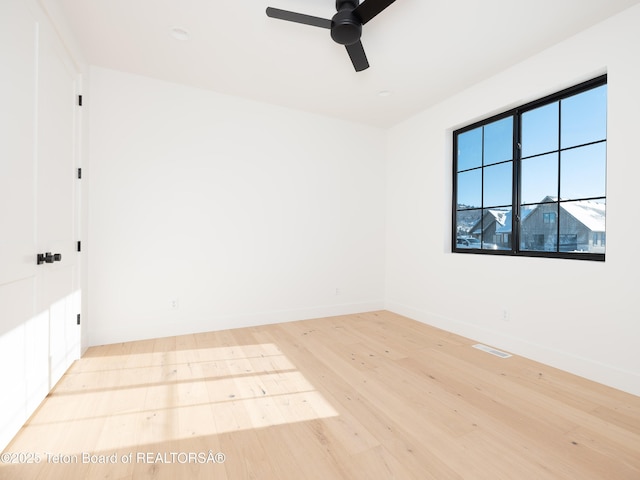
(532, 181)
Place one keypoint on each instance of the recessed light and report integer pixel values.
(384, 93)
(179, 33)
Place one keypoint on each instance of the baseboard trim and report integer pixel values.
(604, 374)
(207, 323)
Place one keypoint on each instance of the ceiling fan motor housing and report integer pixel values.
(346, 28)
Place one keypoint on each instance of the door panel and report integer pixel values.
(39, 337)
(36, 355)
(55, 200)
(63, 329)
(18, 33)
(18, 44)
(16, 305)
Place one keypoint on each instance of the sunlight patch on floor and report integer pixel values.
(121, 400)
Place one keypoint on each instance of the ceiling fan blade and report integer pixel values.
(357, 55)
(298, 18)
(370, 8)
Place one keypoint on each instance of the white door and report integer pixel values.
(56, 207)
(39, 337)
(18, 46)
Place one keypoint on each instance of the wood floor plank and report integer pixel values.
(354, 397)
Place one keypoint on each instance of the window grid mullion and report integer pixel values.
(559, 175)
(482, 195)
(517, 179)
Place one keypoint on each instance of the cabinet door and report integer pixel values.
(58, 292)
(39, 335)
(18, 270)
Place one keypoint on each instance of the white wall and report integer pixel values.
(245, 213)
(583, 317)
(248, 213)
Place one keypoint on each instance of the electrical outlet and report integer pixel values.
(505, 315)
(338, 291)
(173, 304)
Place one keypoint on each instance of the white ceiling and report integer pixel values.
(421, 51)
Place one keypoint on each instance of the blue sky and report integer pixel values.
(564, 124)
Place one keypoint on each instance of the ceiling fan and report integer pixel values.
(345, 26)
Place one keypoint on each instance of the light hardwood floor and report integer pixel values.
(369, 396)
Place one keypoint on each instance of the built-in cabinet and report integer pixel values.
(39, 199)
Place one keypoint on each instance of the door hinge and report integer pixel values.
(79, 246)
(79, 173)
(79, 100)
(78, 320)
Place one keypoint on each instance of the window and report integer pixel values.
(532, 181)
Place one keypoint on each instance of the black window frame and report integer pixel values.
(516, 114)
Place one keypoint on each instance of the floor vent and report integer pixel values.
(492, 351)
